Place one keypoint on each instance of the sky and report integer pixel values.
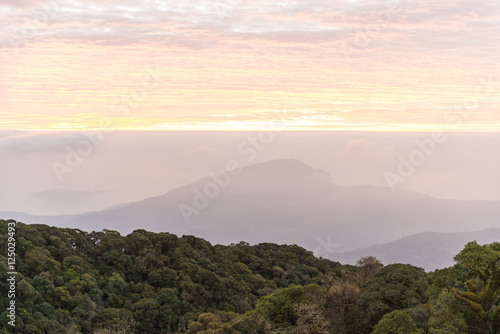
(153, 95)
(239, 65)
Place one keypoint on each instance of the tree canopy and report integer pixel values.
(72, 281)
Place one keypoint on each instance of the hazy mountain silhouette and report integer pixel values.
(429, 250)
(287, 201)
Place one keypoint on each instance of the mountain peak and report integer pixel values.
(283, 175)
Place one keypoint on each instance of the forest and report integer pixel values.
(72, 281)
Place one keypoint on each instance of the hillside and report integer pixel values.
(71, 278)
(71, 281)
(287, 202)
(429, 250)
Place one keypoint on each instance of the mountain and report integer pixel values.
(428, 250)
(33, 219)
(287, 201)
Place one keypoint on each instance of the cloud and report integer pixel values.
(191, 24)
(19, 3)
(69, 200)
(358, 145)
(59, 196)
(39, 142)
(239, 57)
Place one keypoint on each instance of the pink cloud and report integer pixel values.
(357, 145)
(20, 3)
(251, 57)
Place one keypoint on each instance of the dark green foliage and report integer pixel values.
(71, 281)
(446, 316)
(396, 322)
(479, 268)
(74, 281)
(395, 287)
(279, 307)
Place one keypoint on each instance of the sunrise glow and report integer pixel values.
(413, 66)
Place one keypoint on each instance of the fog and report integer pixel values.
(50, 173)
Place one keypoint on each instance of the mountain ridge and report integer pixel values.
(286, 201)
(429, 250)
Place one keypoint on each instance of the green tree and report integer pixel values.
(480, 266)
(206, 323)
(340, 304)
(279, 306)
(368, 267)
(146, 313)
(395, 287)
(446, 317)
(396, 322)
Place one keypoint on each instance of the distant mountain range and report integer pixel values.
(286, 201)
(429, 250)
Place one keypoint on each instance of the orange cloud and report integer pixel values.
(353, 65)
